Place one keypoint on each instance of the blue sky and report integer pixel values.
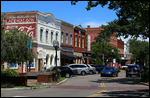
(63, 10)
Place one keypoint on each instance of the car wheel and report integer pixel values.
(102, 76)
(83, 73)
(67, 75)
(91, 72)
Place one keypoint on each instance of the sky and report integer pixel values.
(63, 10)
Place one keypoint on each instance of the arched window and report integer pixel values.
(46, 36)
(51, 60)
(52, 36)
(41, 35)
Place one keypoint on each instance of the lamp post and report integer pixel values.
(56, 46)
(112, 56)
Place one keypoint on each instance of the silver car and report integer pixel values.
(92, 69)
(81, 68)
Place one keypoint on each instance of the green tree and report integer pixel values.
(97, 52)
(14, 47)
(133, 16)
(139, 50)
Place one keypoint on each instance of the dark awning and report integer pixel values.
(68, 56)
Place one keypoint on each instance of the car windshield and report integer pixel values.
(108, 68)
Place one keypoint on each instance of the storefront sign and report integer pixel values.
(86, 54)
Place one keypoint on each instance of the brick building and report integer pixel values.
(79, 43)
(67, 42)
(93, 32)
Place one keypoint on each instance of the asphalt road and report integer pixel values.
(88, 86)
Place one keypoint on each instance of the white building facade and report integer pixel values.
(44, 28)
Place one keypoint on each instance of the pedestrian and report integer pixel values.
(44, 67)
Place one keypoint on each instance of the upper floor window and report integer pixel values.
(79, 41)
(75, 40)
(56, 36)
(83, 42)
(66, 38)
(61, 37)
(51, 36)
(46, 36)
(71, 39)
(41, 34)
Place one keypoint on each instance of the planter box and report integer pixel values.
(45, 78)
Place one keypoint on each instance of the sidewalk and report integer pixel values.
(47, 85)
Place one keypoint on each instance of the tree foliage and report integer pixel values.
(14, 47)
(139, 50)
(133, 16)
(97, 52)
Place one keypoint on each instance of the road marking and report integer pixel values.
(102, 84)
(97, 93)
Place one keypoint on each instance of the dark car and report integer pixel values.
(98, 67)
(109, 71)
(65, 71)
(133, 69)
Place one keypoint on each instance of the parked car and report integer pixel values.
(109, 71)
(98, 67)
(66, 71)
(81, 68)
(133, 69)
(91, 69)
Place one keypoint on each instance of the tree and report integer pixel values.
(97, 52)
(14, 47)
(133, 16)
(139, 50)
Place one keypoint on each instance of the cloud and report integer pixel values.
(93, 23)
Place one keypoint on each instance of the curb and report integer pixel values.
(52, 84)
(145, 83)
(30, 88)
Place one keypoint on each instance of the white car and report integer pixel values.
(81, 68)
(91, 69)
(124, 67)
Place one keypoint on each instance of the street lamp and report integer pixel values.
(56, 46)
(112, 56)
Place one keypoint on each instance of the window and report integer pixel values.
(75, 40)
(41, 34)
(79, 41)
(56, 36)
(66, 38)
(83, 42)
(71, 39)
(13, 65)
(32, 63)
(51, 36)
(46, 36)
(61, 37)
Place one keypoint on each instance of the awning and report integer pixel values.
(68, 56)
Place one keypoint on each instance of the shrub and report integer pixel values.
(145, 75)
(8, 85)
(9, 72)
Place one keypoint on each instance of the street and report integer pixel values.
(88, 86)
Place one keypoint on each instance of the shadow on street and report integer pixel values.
(131, 93)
